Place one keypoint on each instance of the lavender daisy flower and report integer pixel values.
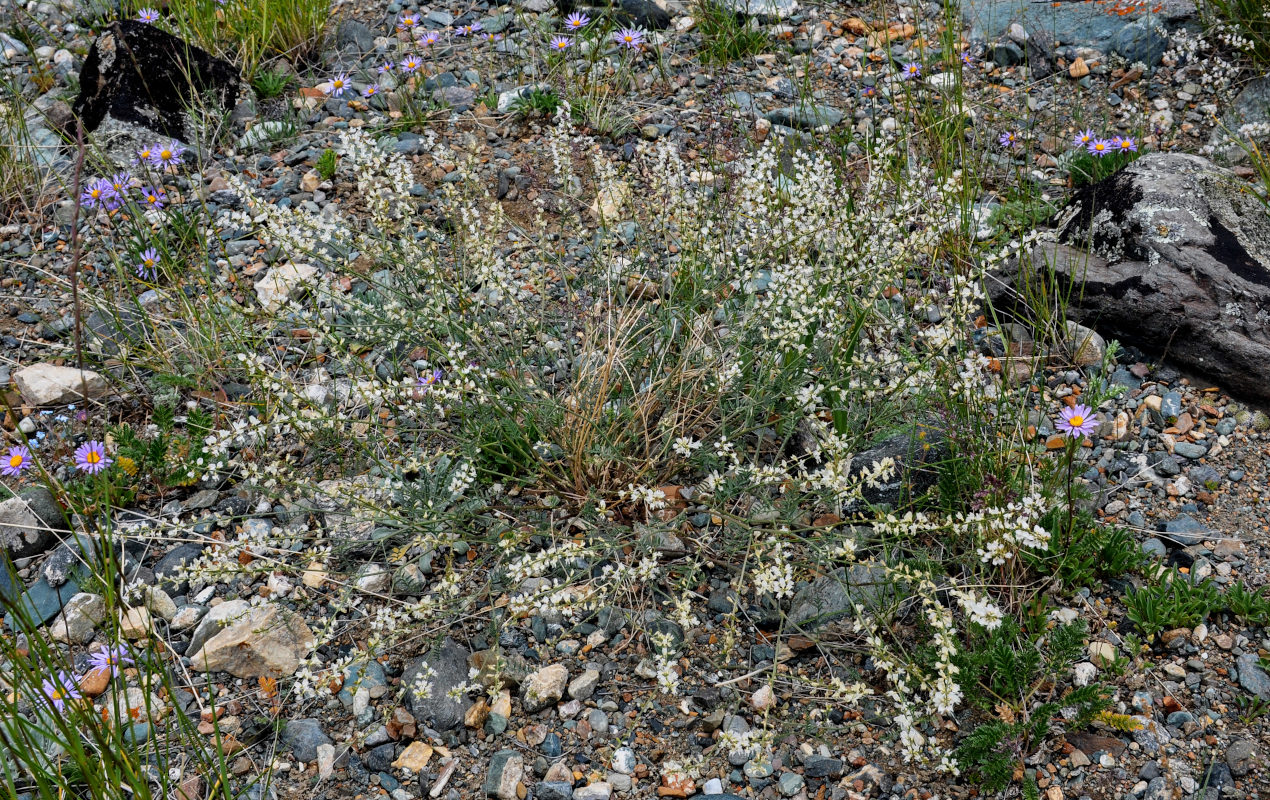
(426, 382)
(371, 91)
(407, 21)
(144, 156)
(1100, 147)
(1077, 421)
(111, 658)
(468, 29)
(966, 59)
(387, 66)
(148, 16)
(561, 43)
(630, 38)
(61, 689)
(911, 70)
(576, 21)
(19, 458)
(168, 155)
(869, 91)
(338, 84)
(1008, 139)
(97, 193)
(490, 38)
(91, 457)
(1124, 144)
(154, 197)
(121, 182)
(410, 65)
(430, 38)
(148, 266)
(1085, 138)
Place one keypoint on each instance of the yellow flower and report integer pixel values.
(127, 465)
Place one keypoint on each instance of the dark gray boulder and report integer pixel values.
(30, 522)
(139, 80)
(1171, 255)
(638, 13)
(436, 708)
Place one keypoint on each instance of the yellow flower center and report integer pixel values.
(93, 457)
(16, 460)
(57, 694)
(1076, 421)
(165, 155)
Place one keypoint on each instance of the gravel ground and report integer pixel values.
(1178, 462)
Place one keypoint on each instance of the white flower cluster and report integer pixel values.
(776, 575)
(1002, 532)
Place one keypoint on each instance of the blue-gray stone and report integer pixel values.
(1185, 531)
(1179, 718)
(1154, 547)
(805, 116)
(1190, 450)
(1142, 42)
(552, 790)
(304, 736)
(1252, 677)
(790, 784)
(552, 746)
(42, 602)
(1171, 405)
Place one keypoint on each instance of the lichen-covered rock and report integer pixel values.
(29, 522)
(1178, 264)
(141, 81)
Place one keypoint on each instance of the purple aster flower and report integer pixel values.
(91, 457)
(410, 65)
(1077, 421)
(429, 380)
(1085, 138)
(338, 84)
(168, 155)
(61, 689)
(630, 38)
(468, 29)
(967, 59)
(148, 266)
(154, 197)
(911, 70)
(148, 16)
(144, 156)
(869, 91)
(111, 658)
(371, 91)
(1124, 144)
(490, 38)
(576, 21)
(19, 458)
(1008, 139)
(1100, 147)
(429, 38)
(121, 182)
(561, 43)
(406, 22)
(387, 66)
(98, 193)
